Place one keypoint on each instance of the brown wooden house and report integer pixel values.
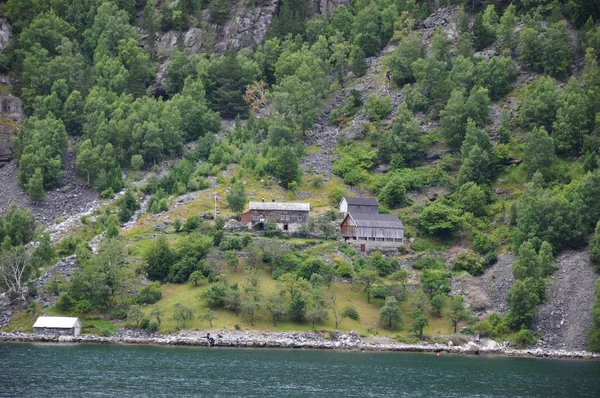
(372, 229)
(287, 216)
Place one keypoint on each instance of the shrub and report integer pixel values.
(470, 262)
(144, 323)
(484, 329)
(335, 195)
(153, 327)
(524, 337)
(67, 246)
(378, 108)
(439, 219)
(233, 243)
(65, 302)
(149, 294)
(84, 307)
(428, 263)
(482, 243)
(192, 223)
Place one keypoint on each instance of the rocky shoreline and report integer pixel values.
(305, 340)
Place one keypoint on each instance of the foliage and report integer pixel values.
(573, 119)
(472, 198)
(538, 152)
(378, 108)
(595, 247)
(420, 320)
(182, 314)
(458, 313)
(149, 294)
(159, 259)
(523, 301)
(236, 198)
(42, 145)
(209, 316)
(400, 62)
(540, 103)
(556, 57)
(439, 219)
(438, 302)
(127, 205)
(15, 270)
(594, 334)
(367, 277)
(390, 315)
(435, 281)
(17, 227)
(470, 262)
(393, 194)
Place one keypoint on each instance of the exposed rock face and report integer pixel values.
(327, 6)
(248, 26)
(65, 267)
(6, 134)
(5, 33)
(11, 109)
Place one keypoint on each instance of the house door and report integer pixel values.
(363, 247)
(285, 227)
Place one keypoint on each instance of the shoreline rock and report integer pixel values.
(300, 340)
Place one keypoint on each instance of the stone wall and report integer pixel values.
(54, 331)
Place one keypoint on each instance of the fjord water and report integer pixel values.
(52, 370)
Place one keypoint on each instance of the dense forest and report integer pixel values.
(86, 71)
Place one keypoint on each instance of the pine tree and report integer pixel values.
(475, 167)
(159, 259)
(529, 49)
(407, 136)
(475, 136)
(508, 23)
(478, 105)
(538, 152)
(35, 186)
(557, 55)
(453, 118)
(573, 119)
(482, 36)
(225, 88)
(359, 63)
(540, 102)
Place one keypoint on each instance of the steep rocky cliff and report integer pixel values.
(11, 109)
(248, 25)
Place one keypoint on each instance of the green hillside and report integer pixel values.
(475, 122)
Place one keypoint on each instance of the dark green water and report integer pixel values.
(30, 370)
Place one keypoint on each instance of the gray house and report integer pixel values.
(57, 325)
(359, 205)
(372, 230)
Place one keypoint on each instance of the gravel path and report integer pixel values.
(565, 319)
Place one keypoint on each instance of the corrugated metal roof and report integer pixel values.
(56, 322)
(279, 206)
(362, 201)
(376, 220)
